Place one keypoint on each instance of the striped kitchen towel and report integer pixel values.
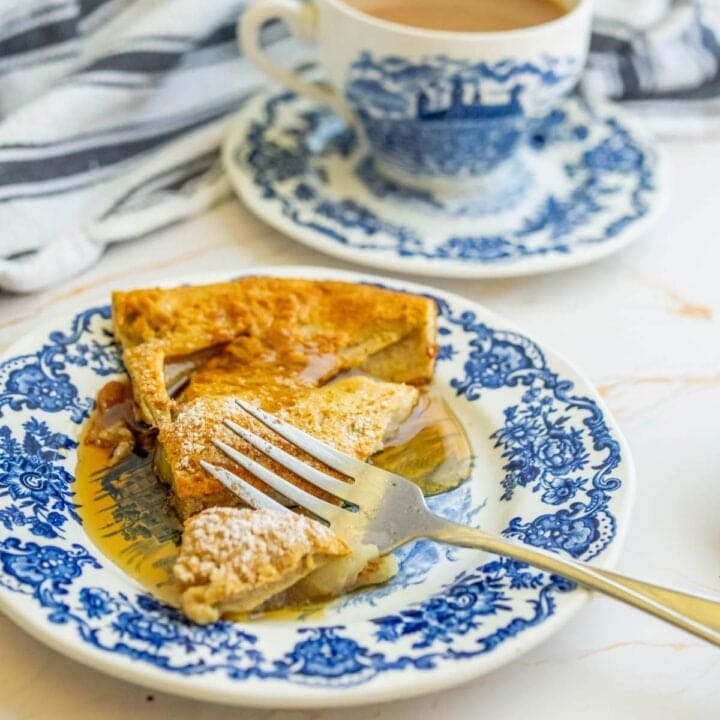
(112, 111)
(667, 70)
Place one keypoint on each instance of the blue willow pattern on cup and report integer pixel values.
(549, 434)
(609, 180)
(445, 117)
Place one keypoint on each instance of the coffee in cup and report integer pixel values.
(442, 100)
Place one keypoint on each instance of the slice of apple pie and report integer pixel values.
(339, 360)
(234, 560)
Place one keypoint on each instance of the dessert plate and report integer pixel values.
(550, 468)
(585, 184)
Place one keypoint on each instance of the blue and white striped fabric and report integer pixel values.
(667, 70)
(112, 111)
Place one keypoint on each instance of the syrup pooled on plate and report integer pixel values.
(430, 448)
(126, 512)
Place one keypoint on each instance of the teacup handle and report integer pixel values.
(301, 17)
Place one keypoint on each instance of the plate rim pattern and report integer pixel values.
(324, 659)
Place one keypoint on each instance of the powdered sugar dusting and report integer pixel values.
(245, 546)
(192, 426)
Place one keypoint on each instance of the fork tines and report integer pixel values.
(315, 448)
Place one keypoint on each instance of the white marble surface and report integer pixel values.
(644, 325)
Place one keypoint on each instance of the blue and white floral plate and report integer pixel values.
(551, 468)
(585, 184)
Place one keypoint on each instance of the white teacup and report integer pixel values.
(444, 110)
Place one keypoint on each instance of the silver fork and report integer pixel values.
(386, 510)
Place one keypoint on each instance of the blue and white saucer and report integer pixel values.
(551, 469)
(584, 185)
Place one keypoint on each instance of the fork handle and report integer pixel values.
(696, 614)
